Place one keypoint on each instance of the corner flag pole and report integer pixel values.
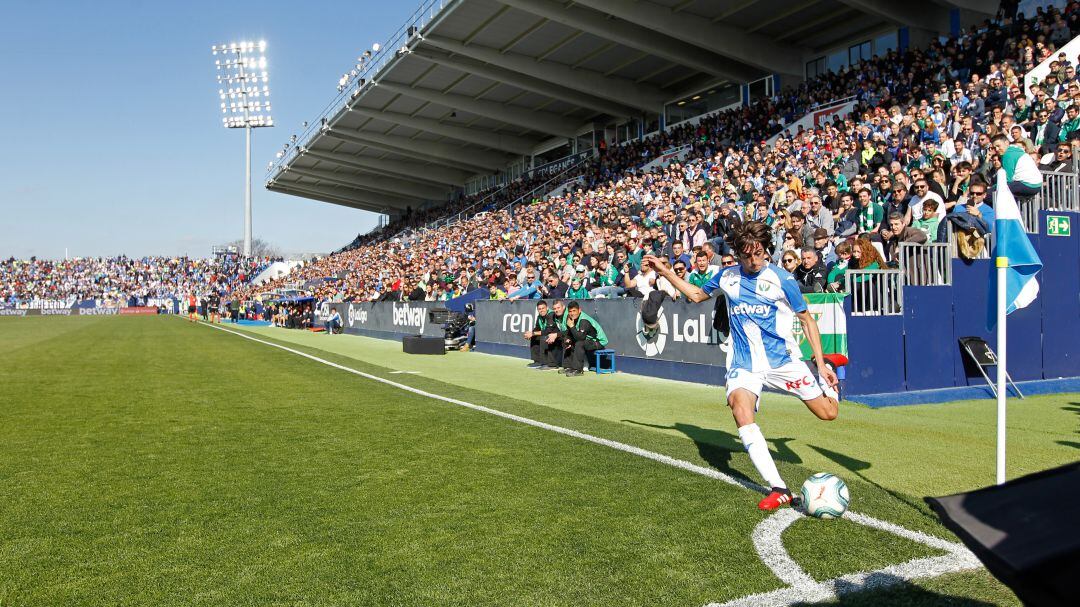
(1002, 264)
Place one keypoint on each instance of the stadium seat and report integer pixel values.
(600, 356)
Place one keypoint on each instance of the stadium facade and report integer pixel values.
(471, 94)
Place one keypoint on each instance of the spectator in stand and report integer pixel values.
(895, 234)
(928, 223)
(811, 273)
(834, 282)
(789, 260)
(1061, 161)
(703, 270)
(1021, 172)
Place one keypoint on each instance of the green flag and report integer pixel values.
(828, 310)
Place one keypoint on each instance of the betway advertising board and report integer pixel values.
(406, 317)
(686, 333)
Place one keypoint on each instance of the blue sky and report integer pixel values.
(114, 137)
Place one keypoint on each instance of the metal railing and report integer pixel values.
(1058, 193)
(389, 51)
(875, 292)
(926, 265)
(555, 182)
(555, 167)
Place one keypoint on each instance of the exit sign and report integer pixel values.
(1058, 225)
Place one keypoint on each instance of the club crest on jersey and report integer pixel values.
(763, 287)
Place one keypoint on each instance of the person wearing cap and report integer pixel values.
(824, 246)
(577, 288)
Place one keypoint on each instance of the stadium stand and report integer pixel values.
(919, 137)
(119, 281)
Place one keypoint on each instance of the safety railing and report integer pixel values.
(555, 167)
(875, 292)
(954, 244)
(1058, 193)
(390, 50)
(926, 265)
(556, 181)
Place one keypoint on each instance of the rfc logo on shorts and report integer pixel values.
(798, 384)
(655, 346)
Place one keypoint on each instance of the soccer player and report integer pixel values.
(763, 301)
(192, 308)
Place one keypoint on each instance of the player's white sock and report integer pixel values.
(754, 443)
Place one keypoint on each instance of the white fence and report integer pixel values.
(875, 292)
(926, 265)
(1058, 193)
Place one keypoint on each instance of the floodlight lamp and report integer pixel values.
(375, 47)
(262, 45)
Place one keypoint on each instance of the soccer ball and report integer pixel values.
(825, 496)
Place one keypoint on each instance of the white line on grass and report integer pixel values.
(767, 536)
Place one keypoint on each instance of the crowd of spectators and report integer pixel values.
(916, 157)
(929, 131)
(120, 281)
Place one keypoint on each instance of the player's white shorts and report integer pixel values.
(794, 377)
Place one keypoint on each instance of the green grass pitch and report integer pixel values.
(147, 461)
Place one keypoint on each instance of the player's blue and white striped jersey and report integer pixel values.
(762, 310)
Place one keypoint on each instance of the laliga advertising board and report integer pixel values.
(686, 329)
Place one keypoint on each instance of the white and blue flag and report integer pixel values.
(1011, 244)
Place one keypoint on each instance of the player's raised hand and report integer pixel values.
(829, 377)
(657, 265)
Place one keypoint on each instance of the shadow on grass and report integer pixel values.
(716, 447)
(885, 589)
(1069, 443)
(856, 467)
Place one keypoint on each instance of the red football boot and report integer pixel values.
(778, 497)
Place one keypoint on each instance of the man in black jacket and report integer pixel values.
(583, 337)
(543, 352)
(811, 273)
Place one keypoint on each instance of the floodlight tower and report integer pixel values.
(245, 103)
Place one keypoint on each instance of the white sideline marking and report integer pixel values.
(767, 536)
(406, 372)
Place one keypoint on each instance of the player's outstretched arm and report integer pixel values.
(813, 337)
(691, 292)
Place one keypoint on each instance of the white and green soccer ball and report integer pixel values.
(825, 496)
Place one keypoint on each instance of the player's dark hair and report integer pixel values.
(572, 306)
(750, 232)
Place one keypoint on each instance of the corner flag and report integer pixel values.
(1012, 286)
(1013, 248)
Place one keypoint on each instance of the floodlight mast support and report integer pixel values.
(247, 195)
